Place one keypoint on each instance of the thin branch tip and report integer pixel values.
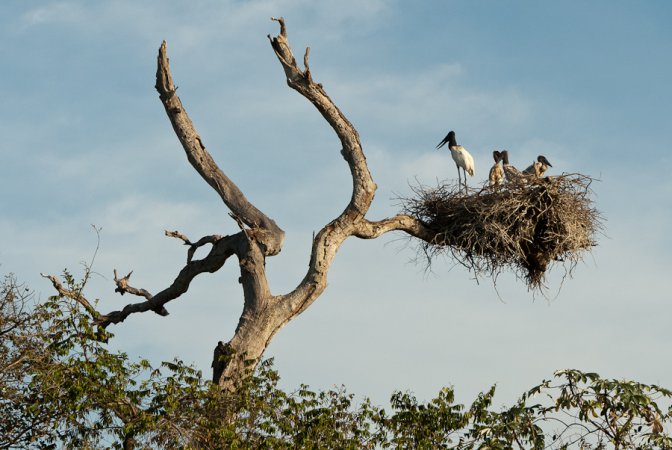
(176, 234)
(305, 64)
(281, 21)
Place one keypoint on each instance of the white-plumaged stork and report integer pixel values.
(461, 157)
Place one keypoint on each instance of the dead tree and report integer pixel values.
(264, 313)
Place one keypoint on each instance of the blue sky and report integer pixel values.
(85, 141)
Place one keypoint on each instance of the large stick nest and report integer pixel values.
(524, 227)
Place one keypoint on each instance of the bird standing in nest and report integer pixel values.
(461, 157)
(539, 167)
(496, 175)
(513, 175)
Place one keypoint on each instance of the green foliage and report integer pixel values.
(62, 387)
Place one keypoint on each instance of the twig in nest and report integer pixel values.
(522, 227)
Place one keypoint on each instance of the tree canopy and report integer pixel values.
(62, 387)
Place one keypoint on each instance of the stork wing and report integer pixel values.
(529, 170)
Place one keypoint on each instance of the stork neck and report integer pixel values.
(452, 142)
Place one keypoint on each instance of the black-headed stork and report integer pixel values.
(496, 175)
(461, 157)
(539, 167)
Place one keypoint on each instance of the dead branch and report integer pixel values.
(222, 249)
(176, 234)
(193, 246)
(271, 237)
(220, 252)
(123, 287)
(74, 295)
(402, 222)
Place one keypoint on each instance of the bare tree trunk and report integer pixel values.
(259, 236)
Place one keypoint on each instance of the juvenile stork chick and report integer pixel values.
(496, 175)
(539, 167)
(513, 175)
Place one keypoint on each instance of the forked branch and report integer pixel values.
(193, 246)
(301, 81)
(259, 236)
(351, 222)
(267, 232)
(221, 250)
